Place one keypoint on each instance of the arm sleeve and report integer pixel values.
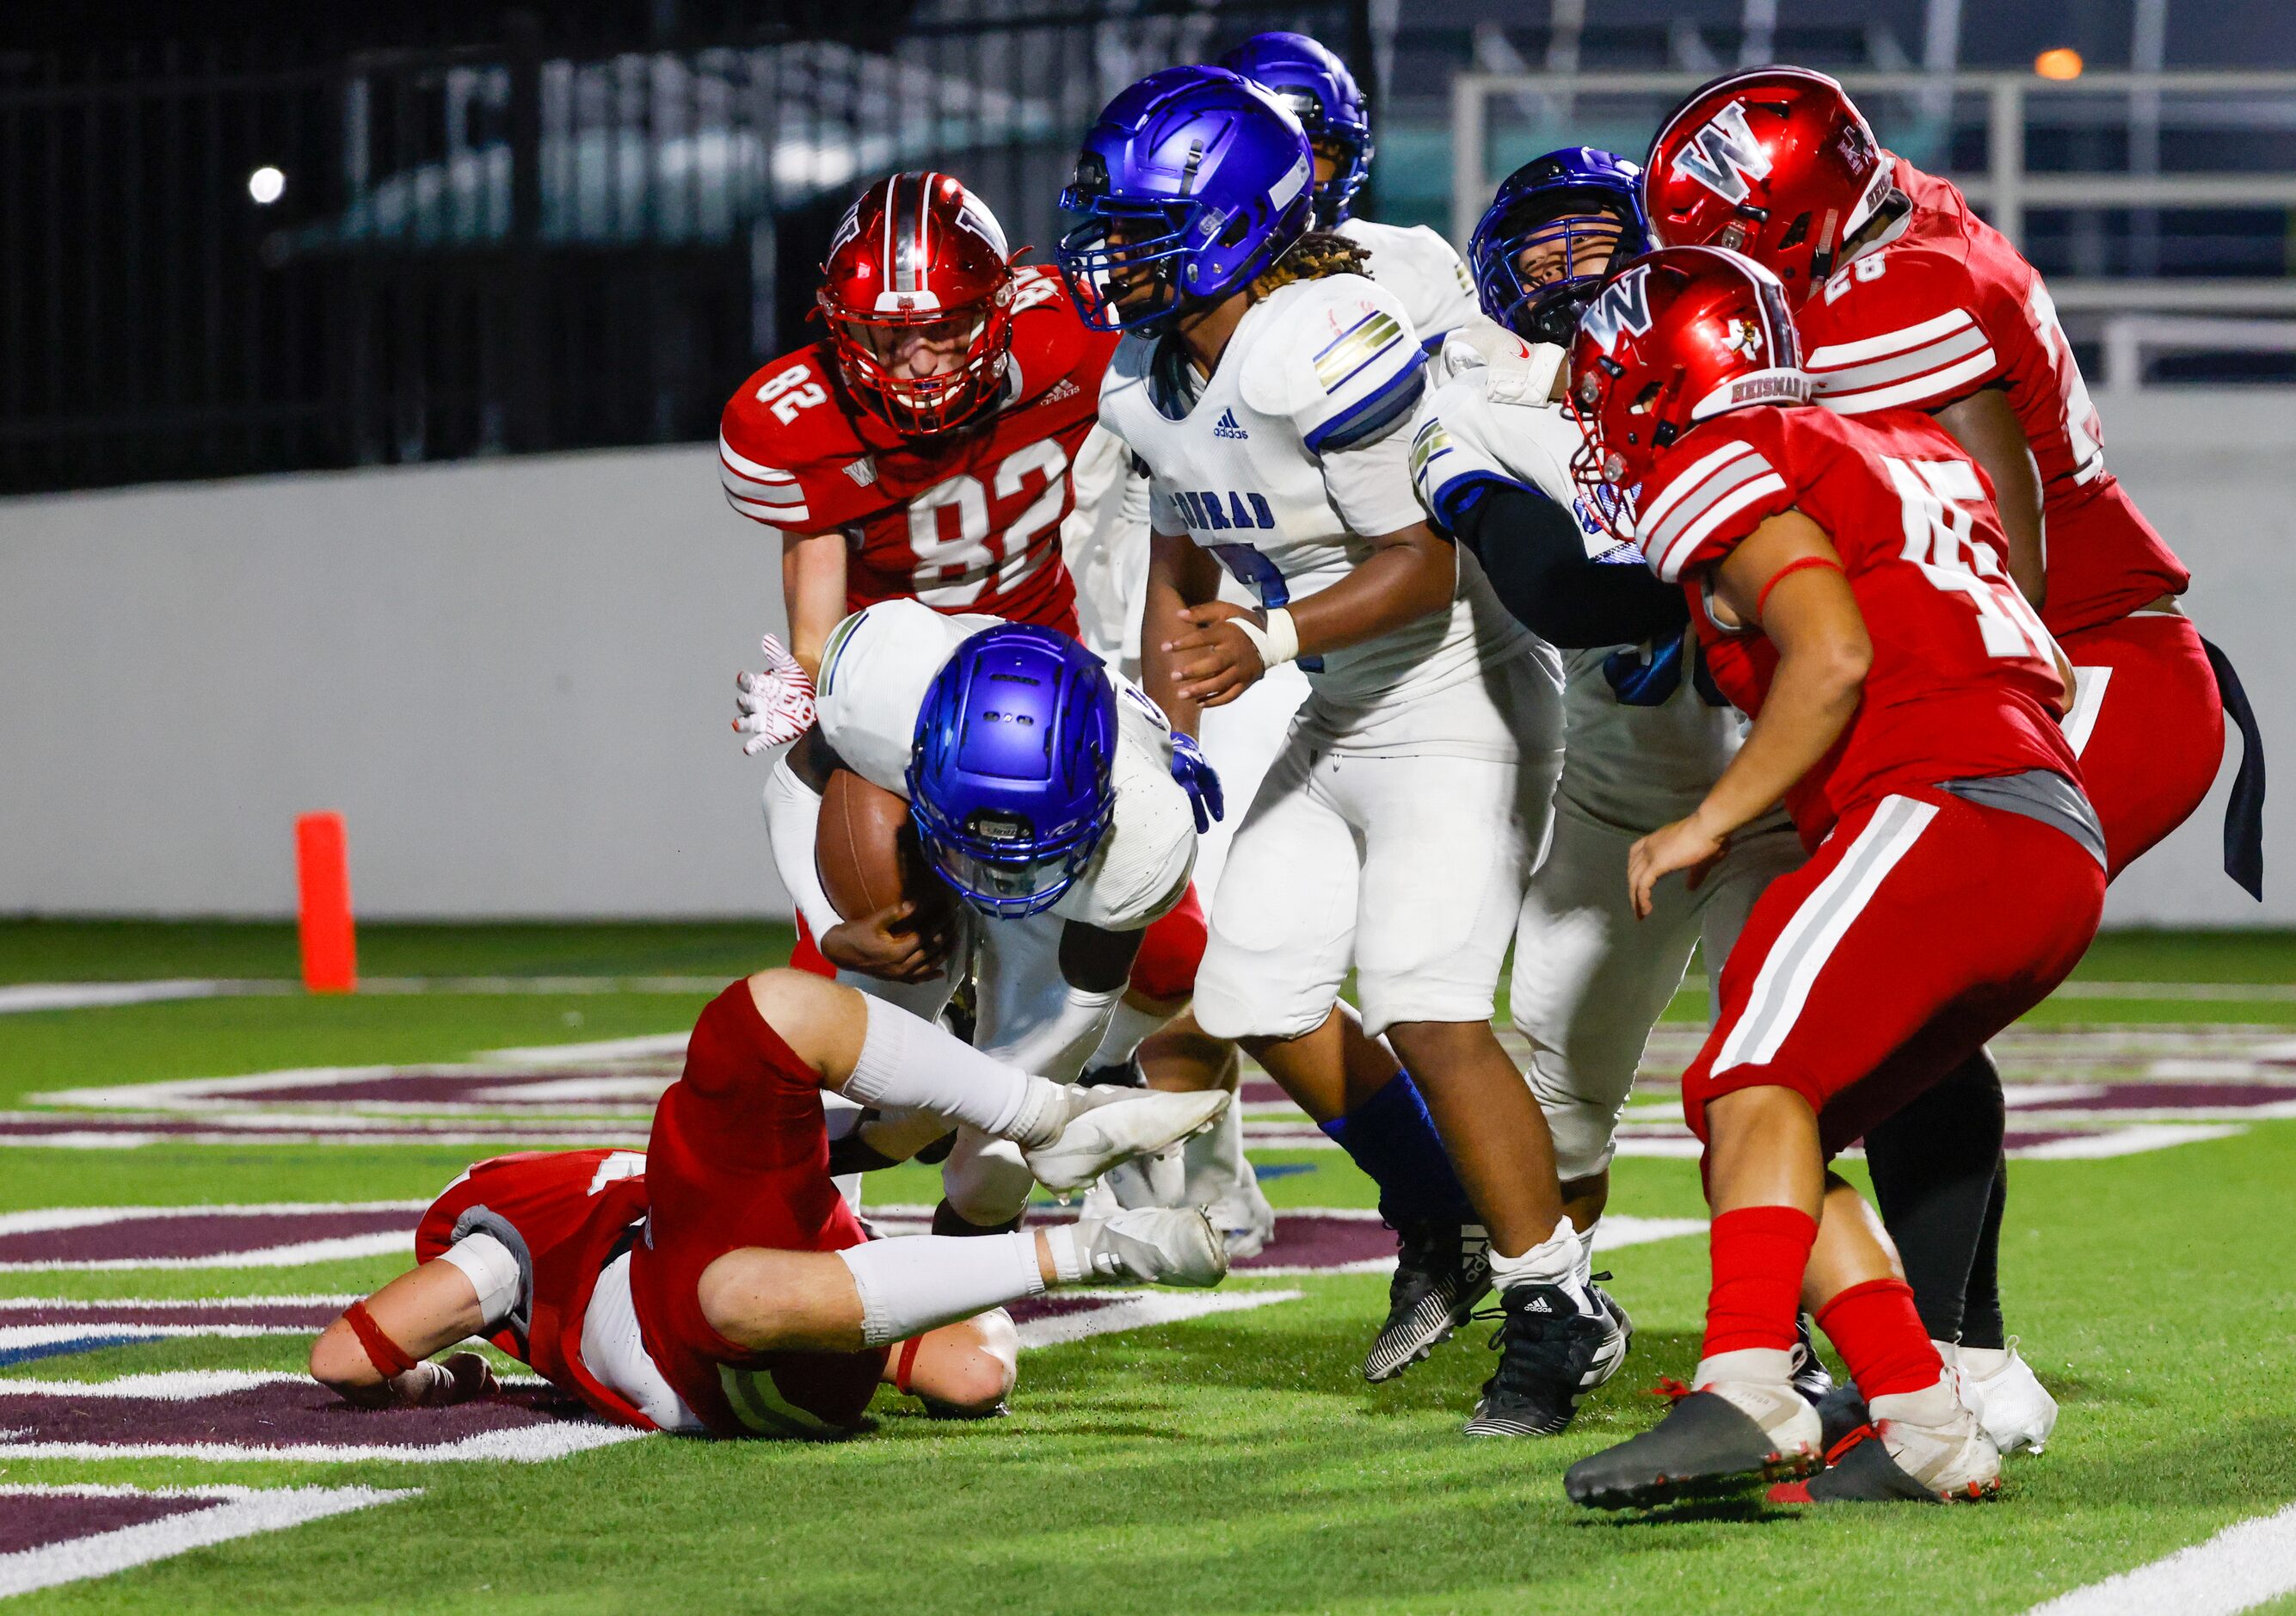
(793, 825)
(1536, 558)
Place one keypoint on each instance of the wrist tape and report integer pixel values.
(1278, 643)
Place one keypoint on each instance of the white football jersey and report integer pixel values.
(1315, 368)
(1489, 414)
(1105, 540)
(1424, 272)
(875, 670)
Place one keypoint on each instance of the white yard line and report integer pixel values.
(2239, 1569)
(44, 1219)
(241, 1511)
(1136, 1310)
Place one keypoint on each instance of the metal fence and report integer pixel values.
(470, 253)
(2139, 194)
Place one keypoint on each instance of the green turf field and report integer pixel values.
(1232, 1462)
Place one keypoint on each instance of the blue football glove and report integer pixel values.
(1199, 779)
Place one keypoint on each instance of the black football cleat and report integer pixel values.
(1443, 1270)
(1706, 1447)
(1841, 1414)
(1553, 1352)
(1809, 1375)
(1858, 1470)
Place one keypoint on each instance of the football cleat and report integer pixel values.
(1905, 1460)
(2000, 1387)
(1244, 1219)
(1442, 1271)
(1552, 1351)
(1810, 1375)
(1841, 1414)
(1110, 1125)
(1708, 1445)
(1156, 1245)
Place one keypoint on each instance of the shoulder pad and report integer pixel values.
(1337, 357)
(1051, 344)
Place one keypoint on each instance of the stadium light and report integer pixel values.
(267, 185)
(2063, 63)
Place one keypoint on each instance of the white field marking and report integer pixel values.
(2239, 1569)
(1133, 1310)
(46, 1219)
(179, 1385)
(132, 1140)
(919, 1212)
(295, 1255)
(24, 996)
(653, 1046)
(241, 1511)
(14, 1337)
(2122, 1142)
(2049, 1093)
(1616, 1229)
(343, 1299)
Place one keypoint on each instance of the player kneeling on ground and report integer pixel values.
(719, 1283)
(1850, 586)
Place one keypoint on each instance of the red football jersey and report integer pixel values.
(1963, 681)
(965, 520)
(1949, 307)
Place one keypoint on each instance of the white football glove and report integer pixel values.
(777, 705)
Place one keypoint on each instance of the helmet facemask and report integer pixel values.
(924, 370)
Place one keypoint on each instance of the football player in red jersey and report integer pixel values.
(719, 1283)
(1908, 299)
(923, 448)
(1849, 581)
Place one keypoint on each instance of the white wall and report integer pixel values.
(514, 677)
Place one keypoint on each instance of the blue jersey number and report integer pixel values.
(1262, 577)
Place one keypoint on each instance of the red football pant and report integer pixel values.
(1170, 950)
(806, 956)
(740, 1157)
(2148, 724)
(1922, 926)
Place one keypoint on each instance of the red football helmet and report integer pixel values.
(1776, 163)
(1675, 337)
(918, 296)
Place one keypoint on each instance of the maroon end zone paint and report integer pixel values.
(32, 1521)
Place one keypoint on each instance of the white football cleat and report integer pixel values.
(1244, 1219)
(1952, 1457)
(1158, 1245)
(1107, 1125)
(2000, 1387)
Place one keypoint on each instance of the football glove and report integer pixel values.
(777, 705)
(1199, 779)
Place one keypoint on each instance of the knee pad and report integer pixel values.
(1170, 950)
(985, 1179)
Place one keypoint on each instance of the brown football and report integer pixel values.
(865, 852)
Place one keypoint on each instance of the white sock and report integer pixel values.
(1128, 1029)
(1757, 1366)
(916, 1282)
(1554, 1261)
(905, 1061)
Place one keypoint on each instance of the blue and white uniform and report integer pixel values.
(1590, 978)
(877, 667)
(1395, 831)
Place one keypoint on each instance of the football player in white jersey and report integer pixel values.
(1268, 386)
(1107, 545)
(1645, 734)
(1063, 843)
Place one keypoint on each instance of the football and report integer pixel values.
(866, 852)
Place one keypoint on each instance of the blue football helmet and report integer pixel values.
(1192, 181)
(1009, 770)
(1317, 85)
(1579, 199)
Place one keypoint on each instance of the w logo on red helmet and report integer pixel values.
(1622, 308)
(1724, 156)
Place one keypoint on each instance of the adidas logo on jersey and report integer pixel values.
(1228, 426)
(1063, 389)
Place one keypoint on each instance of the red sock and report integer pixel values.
(1880, 1339)
(1759, 1255)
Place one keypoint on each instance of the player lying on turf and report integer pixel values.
(1268, 383)
(719, 1283)
(927, 447)
(1048, 796)
(1905, 299)
(1850, 582)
